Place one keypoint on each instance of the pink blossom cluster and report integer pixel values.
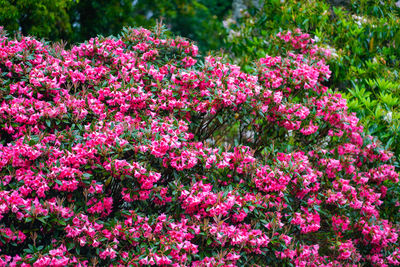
(136, 151)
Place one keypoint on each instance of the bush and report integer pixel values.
(135, 151)
(364, 39)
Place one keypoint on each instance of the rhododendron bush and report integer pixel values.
(135, 151)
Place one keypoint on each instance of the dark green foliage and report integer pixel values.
(75, 21)
(106, 17)
(42, 18)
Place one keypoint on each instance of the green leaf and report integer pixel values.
(87, 175)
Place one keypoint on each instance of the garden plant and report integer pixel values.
(134, 150)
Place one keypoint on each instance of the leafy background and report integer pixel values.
(76, 21)
(364, 39)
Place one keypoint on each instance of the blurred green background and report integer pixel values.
(78, 20)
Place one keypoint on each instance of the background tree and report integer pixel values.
(76, 21)
(41, 18)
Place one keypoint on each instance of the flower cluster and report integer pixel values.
(136, 151)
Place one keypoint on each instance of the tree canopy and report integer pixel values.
(76, 21)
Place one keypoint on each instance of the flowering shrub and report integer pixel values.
(134, 151)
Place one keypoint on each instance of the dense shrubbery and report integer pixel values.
(113, 152)
(364, 38)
